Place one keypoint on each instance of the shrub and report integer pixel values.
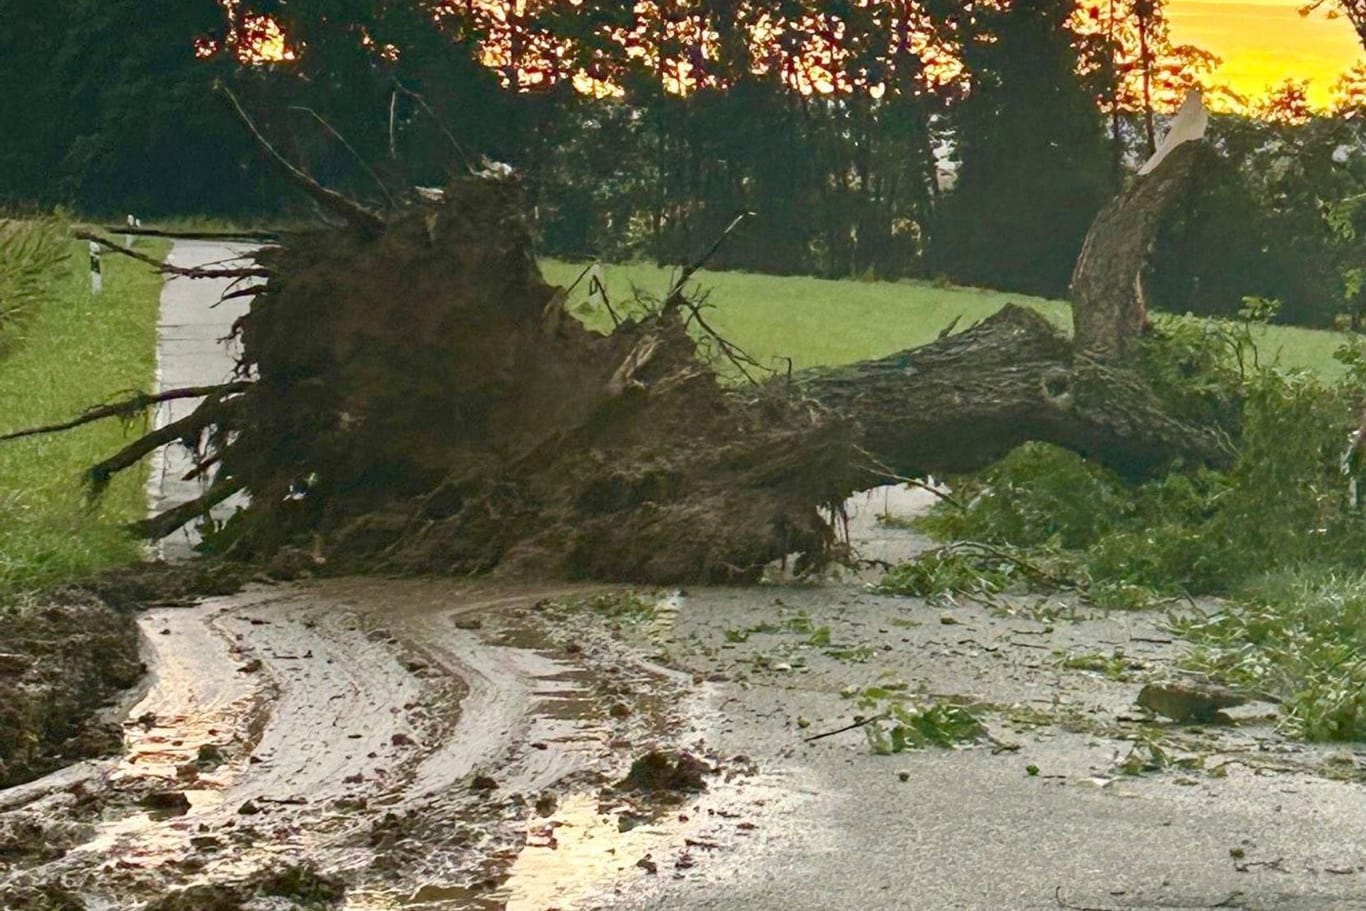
(33, 257)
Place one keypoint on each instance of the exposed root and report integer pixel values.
(167, 268)
(130, 407)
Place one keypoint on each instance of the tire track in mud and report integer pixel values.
(347, 724)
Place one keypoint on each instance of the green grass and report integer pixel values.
(73, 350)
(817, 322)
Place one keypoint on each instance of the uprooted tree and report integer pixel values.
(415, 397)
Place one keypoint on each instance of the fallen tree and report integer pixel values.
(416, 398)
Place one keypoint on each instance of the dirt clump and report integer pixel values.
(157, 583)
(43, 897)
(302, 886)
(657, 772)
(66, 655)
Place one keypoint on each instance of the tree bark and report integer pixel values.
(963, 402)
(1109, 307)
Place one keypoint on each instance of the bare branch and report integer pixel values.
(131, 406)
(330, 200)
(167, 268)
(365, 165)
(675, 295)
(265, 237)
(848, 727)
(460, 152)
(393, 139)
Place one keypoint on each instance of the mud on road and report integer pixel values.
(384, 744)
(424, 743)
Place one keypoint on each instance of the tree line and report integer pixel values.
(922, 138)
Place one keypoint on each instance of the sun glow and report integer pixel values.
(1254, 47)
(1265, 42)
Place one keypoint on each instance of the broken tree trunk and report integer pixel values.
(421, 401)
(1109, 306)
(963, 402)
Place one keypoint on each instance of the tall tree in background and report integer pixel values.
(1034, 167)
(1130, 61)
(111, 108)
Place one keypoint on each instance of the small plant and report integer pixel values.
(1113, 666)
(947, 570)
(1146, 755)
(627, 607)
(820, 637)
(907, 727)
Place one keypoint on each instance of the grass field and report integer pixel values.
(72, 351)
(817, 322)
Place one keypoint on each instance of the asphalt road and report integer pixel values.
(191, 351)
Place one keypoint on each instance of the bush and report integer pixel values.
(33, 258)
(1283, 503)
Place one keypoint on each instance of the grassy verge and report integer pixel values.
(70, 351)
(818, 322)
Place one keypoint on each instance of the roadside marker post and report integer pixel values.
(96, 277)
(128, 238)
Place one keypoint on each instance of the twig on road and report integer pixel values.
(848, 727)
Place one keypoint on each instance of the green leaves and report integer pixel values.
(912, 728)
(1300, 636)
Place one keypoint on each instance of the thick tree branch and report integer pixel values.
(166, 523)
(1108, 306)
(962, 402)
(212, 411)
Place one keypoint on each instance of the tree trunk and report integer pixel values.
(963, 402)
(1109, 308)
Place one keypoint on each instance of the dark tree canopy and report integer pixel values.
(1034, 164)
(835, 132)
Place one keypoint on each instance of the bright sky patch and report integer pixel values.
(1265, 42)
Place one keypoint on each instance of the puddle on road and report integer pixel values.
(183, 737)
(577, 851)
(569, 860)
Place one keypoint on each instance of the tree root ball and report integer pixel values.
(423, 403)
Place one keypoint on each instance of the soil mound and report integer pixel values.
(62, 656)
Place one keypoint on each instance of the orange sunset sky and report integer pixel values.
(1264, 42)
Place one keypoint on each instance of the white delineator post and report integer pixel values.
(128, 238)
(96, 277)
